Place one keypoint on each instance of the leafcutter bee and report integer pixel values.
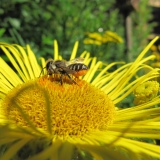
(75, 67)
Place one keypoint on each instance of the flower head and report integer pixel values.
(146, 91)
(71, 109)
(42, 119)
(98, 39)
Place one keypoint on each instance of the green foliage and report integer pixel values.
(142, 28)
(39, 22)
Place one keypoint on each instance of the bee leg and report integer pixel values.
(41, 71)
(48, 76)
(61, 79)
(71, 79)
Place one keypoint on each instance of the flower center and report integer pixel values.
(72, 109)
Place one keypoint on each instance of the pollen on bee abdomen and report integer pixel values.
(80, 73)
(74, 109)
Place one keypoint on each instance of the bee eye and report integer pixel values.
(48, 64)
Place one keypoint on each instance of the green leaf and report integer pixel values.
(2, 30)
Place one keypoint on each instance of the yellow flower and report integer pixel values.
(42, 119)
(98, 39)
(113, 37)
(146, 91)
(92, 41)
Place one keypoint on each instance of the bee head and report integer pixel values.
(50, 64)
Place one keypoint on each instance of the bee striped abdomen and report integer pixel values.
(79, 68)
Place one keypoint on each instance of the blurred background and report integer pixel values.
(112, 30)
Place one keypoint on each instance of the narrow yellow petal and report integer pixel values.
(33, 62)
(43, 62)
(84, 53)
(74, 51)
(66, 151)
(5, 85)
(60, 57)
(48, 109)
(9, 74)
(130, 88)
(55, 50)
(112, 81)
(103, 152)
(93, 68)
(25, 59)
(151, 103)
(104, 71)
(12, 49)
(86, 56)
(21, 57)
(146, 49)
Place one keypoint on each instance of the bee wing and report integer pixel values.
(63, 67)
(60, 63)
(69, 71)
(73, 61)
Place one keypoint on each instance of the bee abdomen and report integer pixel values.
(78, 67)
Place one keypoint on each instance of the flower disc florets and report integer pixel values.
(73, 109)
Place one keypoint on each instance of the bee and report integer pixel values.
(75, 67)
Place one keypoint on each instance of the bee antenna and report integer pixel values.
(41, 71)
